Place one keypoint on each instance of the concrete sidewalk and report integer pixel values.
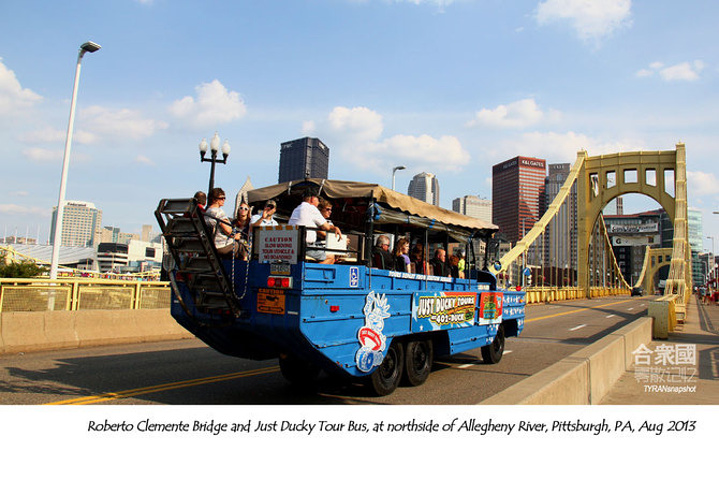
(664, 373)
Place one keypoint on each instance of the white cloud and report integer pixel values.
(213, 105)
(683, 71)
(439, 3)
(590, 19)
(686, 71)
(23, 211)
(558, 147)
(120, 124)
(444, 153)
(13, 97)
(42, 155)
(702, 183)
(359, 123)
(53, 135)
(519, 114)
(141, 159)
(308, 127)
(358, 138)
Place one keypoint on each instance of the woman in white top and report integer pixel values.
(217, 220)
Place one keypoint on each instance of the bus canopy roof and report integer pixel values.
(394, 207)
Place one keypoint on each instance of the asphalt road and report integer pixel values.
(189, 373)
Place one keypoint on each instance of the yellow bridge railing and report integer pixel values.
(36, 295)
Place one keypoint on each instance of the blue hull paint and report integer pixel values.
(324, 314)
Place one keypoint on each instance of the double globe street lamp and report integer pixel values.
(214, 149)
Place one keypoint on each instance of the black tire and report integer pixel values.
(298, 371)
(385, 379)
(492, 353)
(419, 356)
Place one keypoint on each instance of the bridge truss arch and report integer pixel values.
(660, 175)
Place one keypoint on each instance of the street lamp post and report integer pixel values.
(87, 47)
(214, 148)
(394, 170)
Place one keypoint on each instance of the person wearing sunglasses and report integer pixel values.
(217, 220)
(266, 217)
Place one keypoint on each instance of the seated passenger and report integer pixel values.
(266, 217)
(306, 214)
(417, 257)
(454, 267)
(201, 200)
(401, 255)
(439, 263)
(224, 238)
(381, 256)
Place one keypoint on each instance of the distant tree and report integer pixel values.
(22, 269)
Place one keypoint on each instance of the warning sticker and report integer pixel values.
(271, 301)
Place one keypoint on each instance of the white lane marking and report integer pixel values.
(578, 327)
(630, 308)
(610, 316)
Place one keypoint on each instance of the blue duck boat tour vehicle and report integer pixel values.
(360, 316)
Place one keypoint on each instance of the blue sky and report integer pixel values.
(449, 87)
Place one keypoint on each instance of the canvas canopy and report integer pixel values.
(390, 206)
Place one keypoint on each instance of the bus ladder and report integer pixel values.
(190, 242)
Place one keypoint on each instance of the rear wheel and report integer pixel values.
(418, 361)
(385, 379)
(492, 353)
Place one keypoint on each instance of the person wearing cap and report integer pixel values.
(266, 217)
(308, 215)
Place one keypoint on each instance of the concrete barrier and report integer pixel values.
(49, 330)
(584, 377)
(663, 310)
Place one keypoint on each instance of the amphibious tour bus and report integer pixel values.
(360, 316)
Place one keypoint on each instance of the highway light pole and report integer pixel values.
(394, 170)
(214, 148)
(87, 47)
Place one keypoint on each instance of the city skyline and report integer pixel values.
(532, 78)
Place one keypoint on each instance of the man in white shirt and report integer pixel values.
(266, 217)
(308, 215)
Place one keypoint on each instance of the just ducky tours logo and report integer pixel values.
(447, 308)
(372, 341)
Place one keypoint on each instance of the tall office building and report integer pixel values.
(561, 234)
(517, 195)
(424, 186)
(473, 206)
(303, 158)
(80, 224)
(696, 242)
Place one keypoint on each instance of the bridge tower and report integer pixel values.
(660, 175)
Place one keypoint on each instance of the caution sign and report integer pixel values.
(271, 301)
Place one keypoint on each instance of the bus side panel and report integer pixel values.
(513, 312)
(333, 322)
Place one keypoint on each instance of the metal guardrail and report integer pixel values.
(37, 295)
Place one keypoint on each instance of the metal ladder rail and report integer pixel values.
(186, 232)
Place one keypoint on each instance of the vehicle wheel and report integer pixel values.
(492, 353)
(385, 379)
(418, 361)
(298, 371)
